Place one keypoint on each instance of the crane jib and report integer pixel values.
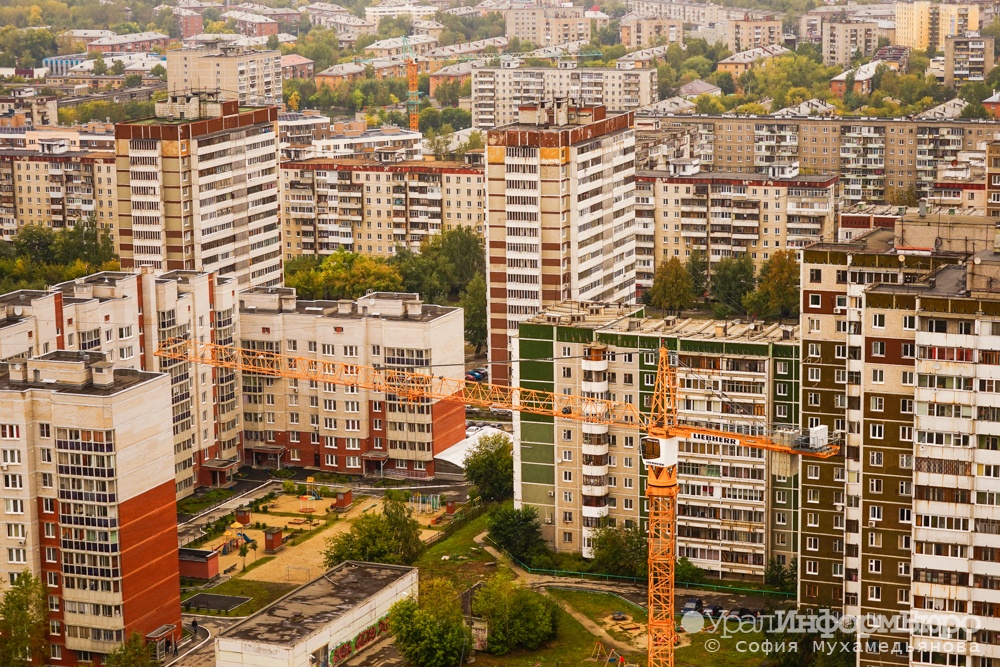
(714, 438)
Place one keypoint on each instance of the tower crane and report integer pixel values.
(663, 426)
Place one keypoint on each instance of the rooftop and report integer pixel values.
(753, 55)
(76, 362)
(469, 47)
(128, 39)
(294, 59)
(699, 87)
(397, 42)
(317, 604)
(385, 305)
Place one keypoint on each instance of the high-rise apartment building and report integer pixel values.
(749, 33)
(843, 40)
(923, 23)
(126, 316)
(498, 92)
(344, 429)
(734, 377)
(198, 189)
(723, 214)
(88, 500)
(53, 185)
(372, 208)
(547, 26)
(900, 343)
(638, 32)
(560, 215)
(967, 57)
(874, 158)
(252, 78)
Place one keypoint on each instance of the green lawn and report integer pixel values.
(573, 645)
(727, 651)
(467, 562)
(598, 607)
(196, 504)
(262, 592)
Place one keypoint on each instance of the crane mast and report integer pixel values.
(660, 446)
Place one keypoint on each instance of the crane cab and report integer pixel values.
(659, 452)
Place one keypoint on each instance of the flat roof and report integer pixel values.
(317, 604)
(723, 176)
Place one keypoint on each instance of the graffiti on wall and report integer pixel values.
(367, 636)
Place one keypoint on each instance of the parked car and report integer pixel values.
(469, 377)
(474, 373)
(693, 604)
(471, 410)
(712, 611)
(500, 411)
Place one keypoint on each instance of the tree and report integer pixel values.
(447, 92)
(117, 68)
(430, 119)
(293, 100)
(490, 467)
(159, 71)
(697, 268)
(731, 281)
(672, 289)
(621, 550)
(133, 652)
(86, 241)
(24, 622)
(687, 572)
(244, 551)
(272, 43)
(133, 80)
(36, 242)
(724, 80)
(430, 633)
(439, 143)
(518, 617)
(100, 67)
(518, 531)
(473, 303)
(346, 275)
(777, 292)
(391, 536)
(782, 577)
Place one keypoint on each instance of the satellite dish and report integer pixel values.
(954, 163)
(18, 310)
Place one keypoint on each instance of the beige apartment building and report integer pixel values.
(724, 214)
(126, 316)
(746, 34)
(967, 57)
(341, 429)
(875, 158)
(547, 26)
(638, 32)
(843, 40)
(53, 186)
(560, 215)
(922, 23)
(329, 204)
(252, 78)
(88, 501)
(742, 377)
(695, 13)
(198, 189)
(498, 92)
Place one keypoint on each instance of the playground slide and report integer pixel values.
(244, 536)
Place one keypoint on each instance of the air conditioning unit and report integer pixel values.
(548, 519)
(838, 310)
(552, 494)
(872, 523)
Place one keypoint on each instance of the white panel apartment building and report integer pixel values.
(344, 429)
(198, 190)
(126, 316)
(497, 92)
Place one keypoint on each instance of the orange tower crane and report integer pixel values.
(663, 428)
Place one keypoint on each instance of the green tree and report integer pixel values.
(672, 289)
(447, 93)
(390, 536)
(701, 65)
(458, 119)
(474, 305)
(158, 71)
(621, 550)
(439, 143)
(777, 293)
(117, 68)
(697, 268)
(731, 281)
(430, 633)
(133, 652)
(24, 622)
(782, 577)
(133, 80)
(37, 243)
(272, 43)
(518, 617)
(724, 80)
(86, 241)
(687, 572)
(430, 119)
(518, 531)
(100, 67)
(346, 275)
(244, 552)
(490, 467)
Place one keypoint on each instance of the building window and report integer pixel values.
(567, 476)
(567, 536)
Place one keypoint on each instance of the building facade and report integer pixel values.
(736, 377)
(135, 43)
(967, 57)
(88, 500)
(197, 190)
(922, 23)
(746, 34)
(329, 204)
(350, 430)
(842, 40)
(248, 76)
(560, 216)
(638, 32)
(547, 26)
(498, 92)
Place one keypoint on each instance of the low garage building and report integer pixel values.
(322, 623)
